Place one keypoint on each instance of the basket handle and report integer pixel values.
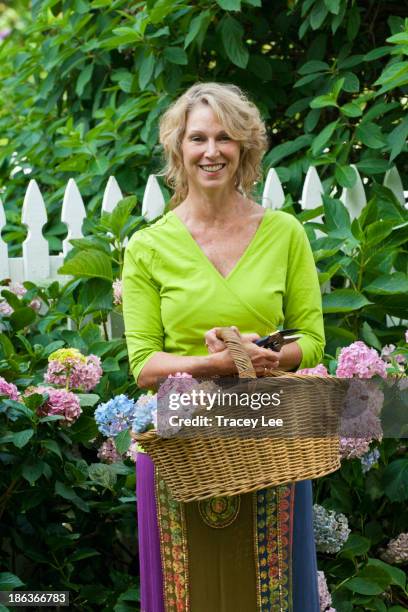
(238, 353)
(241, 357)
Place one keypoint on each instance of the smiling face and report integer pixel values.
(210, 156)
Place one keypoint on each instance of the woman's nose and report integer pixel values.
(212, 148)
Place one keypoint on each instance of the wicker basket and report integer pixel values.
(202, 467)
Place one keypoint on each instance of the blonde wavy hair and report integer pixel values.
(241, 120)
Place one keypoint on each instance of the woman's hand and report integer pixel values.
(215, 344)
(262, 359)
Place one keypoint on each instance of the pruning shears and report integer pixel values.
(279, 338)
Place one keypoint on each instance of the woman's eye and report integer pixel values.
(225, 137)
(196, 138)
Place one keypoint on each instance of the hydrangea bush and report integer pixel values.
(69, 405)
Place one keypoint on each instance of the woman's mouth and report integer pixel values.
(210, 168)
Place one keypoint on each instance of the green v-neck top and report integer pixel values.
(173, 294)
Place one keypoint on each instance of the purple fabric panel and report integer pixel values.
(151, 576)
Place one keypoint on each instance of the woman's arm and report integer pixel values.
(220, 363)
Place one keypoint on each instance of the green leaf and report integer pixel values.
(336, 218)
(176, 55)
(343, 300)
(322, 139)
(313, 66)
(389, 284)
(376, 232)
(232, 34)
(355, 546)
(333, 6)
(318, 14)
(398, 138)
(89, 264)
(32, 471)
(371, 135)
(9, 581)
(288, 148)
(393, 76)
(351, 82)
(323, 101)
(84, 429)
(198, 26)
(83, 553)
(69, 494)
(122, 441)
(6, 345)
(397, 576)
(102, 474)
(96, 295)
(52, 446)
(395, 479)
(346, 176)
(369, 336)
(87, 399)
(84, 77)
(161, 9)
(146, 70)
(363, 586)
(21, 438)
(371, 165)
(352, 109)
(376, 53)
(230, 5)
(22, 318)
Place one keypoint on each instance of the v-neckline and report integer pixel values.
(238, 263)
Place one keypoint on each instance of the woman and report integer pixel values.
(219, 259)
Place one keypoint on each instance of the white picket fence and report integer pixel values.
(37, 265)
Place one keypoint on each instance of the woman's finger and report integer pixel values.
(214, 344)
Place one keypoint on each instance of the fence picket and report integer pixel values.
(73, 214)
(393, 181)
(312, 191)
(354, 198)
(111, 196)
(4, 260)
(273, 195)
(153, 201)
(36, 262)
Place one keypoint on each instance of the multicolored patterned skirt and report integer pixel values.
(248, 553)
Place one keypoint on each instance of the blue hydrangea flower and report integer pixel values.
(330, 528)
(145, 413)
(114, 416)
(368, 460)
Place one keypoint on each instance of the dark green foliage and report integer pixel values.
(83, 83)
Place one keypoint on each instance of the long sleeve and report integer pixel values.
(302, 301)
(141, 305)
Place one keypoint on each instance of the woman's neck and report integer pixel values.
(213, 207)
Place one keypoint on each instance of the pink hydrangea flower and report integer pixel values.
(325, 599)
(361, 361)
(107, 452)
(117, 291)
(353, 448)
(5, 308)
(60, 402)
(406, 336)
(386, 354)
(319, 370)
(68, 367)
(180, 382)
(9, 389)
(35, 304)
(397, 550)
(17, 288)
